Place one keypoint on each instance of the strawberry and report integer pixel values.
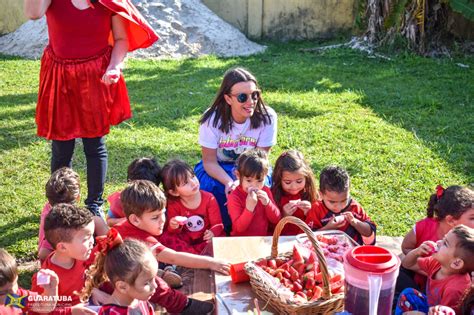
(279, 262)
(272, 263)
(297, 286)
(286, 274)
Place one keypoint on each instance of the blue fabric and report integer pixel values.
(411, 300)
(209, 184)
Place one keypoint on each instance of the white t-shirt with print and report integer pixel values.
(240, 137)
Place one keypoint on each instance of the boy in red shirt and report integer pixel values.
(144, 205)
(15, 300)
(337, 210)
(251, 205)
(448, 271)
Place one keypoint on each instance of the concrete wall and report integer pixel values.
(11, 15)
(286, 19)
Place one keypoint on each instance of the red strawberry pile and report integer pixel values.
(301, 276)
(332, 246)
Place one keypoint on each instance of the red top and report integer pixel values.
(75, 33)
(447, 291)
(246, 223)
(205, 217)
(291, 229)
(143, 308)
(115, 204)
(21, 304)
(70, 280)
(426, 230)
(128, 230)
(320, 215)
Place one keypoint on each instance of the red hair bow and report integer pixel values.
(439, 191)
(109, 241)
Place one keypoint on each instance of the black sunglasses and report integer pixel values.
(243, 97)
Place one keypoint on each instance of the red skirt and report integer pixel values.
(73, 102)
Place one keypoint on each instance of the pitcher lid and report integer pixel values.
(371, 258)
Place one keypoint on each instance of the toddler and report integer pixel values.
(132, 270)
(141, 168)
(251, 206)
(193, 214)
(294, 188)
(448, 270)
(15, 300)
(336, 210)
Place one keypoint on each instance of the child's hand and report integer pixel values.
(263, 197)
(220, 266)
(349, 216)
(289, 208)
(251, 201)
(174, 224)
(335, 223)
(111, 76)
(47, 279)
(304, 205)
(99, 297)
(208, 235)
(441, 310)
(426, 248)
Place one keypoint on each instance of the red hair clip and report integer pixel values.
(439, 191)
(109, 241)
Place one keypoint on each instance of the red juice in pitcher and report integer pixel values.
(370, 276)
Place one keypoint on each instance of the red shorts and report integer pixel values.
(73, 102)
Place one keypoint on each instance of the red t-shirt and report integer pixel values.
(75, 33)
(447, 291)
(70, 280)
(426, 230)
(320, 215)
(246, 223)
(142, 308)
(291, 229)
(115, 204)
(22, 300)
(205, 217)
(128, 230)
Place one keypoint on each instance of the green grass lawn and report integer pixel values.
(400, 127)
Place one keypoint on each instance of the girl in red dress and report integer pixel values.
(294, 188)
(82, 91)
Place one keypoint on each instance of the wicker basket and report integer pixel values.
(262, 284)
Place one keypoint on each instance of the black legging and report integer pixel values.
(96, 158)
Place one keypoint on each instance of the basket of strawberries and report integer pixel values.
(294, 284)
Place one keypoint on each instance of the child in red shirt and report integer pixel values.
(132, 270)
(197, 209)
(448, 271)
(251, 205)
(15, 300)
(141, 168)
(336, 210)
(62, 187)
(294, 188)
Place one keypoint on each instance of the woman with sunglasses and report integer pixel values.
(238, 120)
(82, 91)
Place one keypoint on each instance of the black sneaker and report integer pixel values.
(196, 307)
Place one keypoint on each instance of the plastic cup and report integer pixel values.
(238, 274)
(181, 220)
(339, 218)
(42, 278)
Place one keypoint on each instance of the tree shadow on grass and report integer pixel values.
(22, 129)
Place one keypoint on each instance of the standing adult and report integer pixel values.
(82, 90)
(237, 120)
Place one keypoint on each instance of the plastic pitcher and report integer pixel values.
(370, 276)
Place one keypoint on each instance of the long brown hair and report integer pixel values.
(293, 161)
(175, 173)
(223, 115)
(454, 201)
(123, 262)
